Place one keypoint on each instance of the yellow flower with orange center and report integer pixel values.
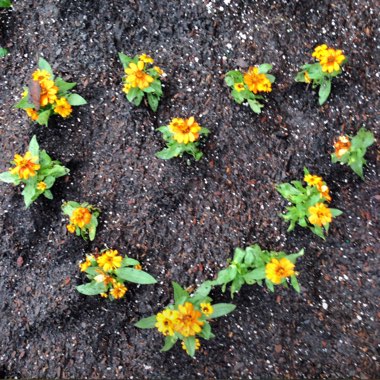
(207, 309)
(41, 186)
(25, 166)
(197, 345)
(257, 82)
(319, 51)
(145, 58)
(239, 87)
(62, 107)
(48, 92)
(118, 290)
(342, 146)
(40, 75)
(320, 215)
(188, 323)
(80, 217)
(109, 260)
(324, 191)
(331, 60)
(313, 180)
(184, 130)
(159, 70)
(85, 264)
(276, 270)
(70, 228)
(165, 321)
(136, 77)
(32, 113)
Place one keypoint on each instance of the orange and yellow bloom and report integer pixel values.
(85, 264)
(207, 309)
(165, 321)
(136, 76)
(276, 270)
(145, 58)
(239, 87)
(62, 107)
(80, 217)
(331, 60)
(313, 180)
(256, 81)
(184, 130)
(118, 290)
(319, 51)
(48, 92)
(109, 260)
(342, 146)
(188, 323)
(26, 166)
(32, 113)
(41, 75)
(320, 215)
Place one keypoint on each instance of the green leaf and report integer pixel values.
(5, 3)
(236, 285)
(48, 194)
(363, 139)
(91, 289)
(29, 192)
(335, 212)
(239, 255)
(269, 285)
(221, 309)
(147, 323)
(206, 331)
(43, 117)
(179, 292)
(204, 289)
(125, 60)
(190, 345)
(44, 160)
(295, 284)
(236, 75)
(43, 64)
(34, 147)
(255, 105)
(3, 52)
(129, 262)
(169, 343)
(324, 91)
(271, 78)
(264, 68)
(255, 275)
(64, 86)
(229, 81)
(171, 152)
(56, 171)
(153, 101)
(136, 276)
(132, 93)
(157, 87)
(226, 275)
(24, 103)
(7, 177)
(294, 256)
(76, 100)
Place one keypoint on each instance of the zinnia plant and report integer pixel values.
(47, 95)
(250, 85)
(109, 271)
(83, 219)
(187, 320)
(141, 78)
(182, 136)
(254, 265)
(351, 150)
(36, 171)
(5, 3)
(308, 208)
(320, 74)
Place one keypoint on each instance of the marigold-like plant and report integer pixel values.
(108, 272)
(83, 219)
(36, 171)
(351, 150)
(141, 78)
(308, 207)
(47, 95)
(254, 265)
(182, 136)
(250, 85)
(187, 319)
(320, 74)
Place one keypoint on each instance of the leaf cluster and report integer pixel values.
(5, 3)
(236, 76)
(176, 149)
(354, 157)
(48, 172)
(153, 93)
(181, 296)
(64, 88)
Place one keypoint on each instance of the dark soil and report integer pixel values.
(183, 221)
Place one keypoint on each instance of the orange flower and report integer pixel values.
(70, 228)
(324, 191)
(331, 60)
(313, 180)
(32, 113)
(41, 186)
(319, 51)
(257, 82)
(118, 290)
(109, 260)
(63, 107)
(276, 270)
(138, 267)
(48, 92)
(136, 77)
(342, 146)
(25, 166)
(188, 323)
(165, 321)
(87, 263)
(40, 75)
(184, 131)
(80, 217)
(320, 214)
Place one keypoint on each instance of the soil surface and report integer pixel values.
(181, 220)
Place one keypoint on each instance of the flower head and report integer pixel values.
(184, 130)
(70, 228)
(118, 290)
(32, 113)
(109, 260)
(257, 82)
(312, 180)
(197, 345)
(48, 92)
(239, 87)
(160, 72)
(25, 166)
(319, 51)
(331, 59)
(41, 186)
(324, 191)
(138, 267)
(276, 270)
(145, 58)
(63, 107)
(104, 295)
(320, 214)
(87, 263)
(40, 75)
(342, 146)
(80, 217)
(165, 321)
(188, 323)
(136, 77)
(207, 309)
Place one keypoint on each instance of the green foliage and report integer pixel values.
(153, 92)
(235, 77)
(176, 149)
(47, 173)
(248, 267)
(3, 52)
(5, 3)
(354, 157)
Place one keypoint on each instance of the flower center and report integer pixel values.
(139, 74)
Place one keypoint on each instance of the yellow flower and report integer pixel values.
(239, 87)
(70, 228)
(145, 58)
(126, 88)
(104, 295)
(342, 146)
(319, 51)
(32, 113)
(197, 345)
(109, 260)
(25, 166)
(41, 186)
(40, 75)
(188, 323)
(165, 321)
(159, 70)
(331, 60)
(80, 217)
(276, 270)
(48, 92)
(257, 82)
(87, 263)
(184, 131)
(324, 191)
(62, 107)
(207, 309)
(136, 77)
(312, 180)
(118, 290)
(307, 77)
(138, 267)
(320, 214)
